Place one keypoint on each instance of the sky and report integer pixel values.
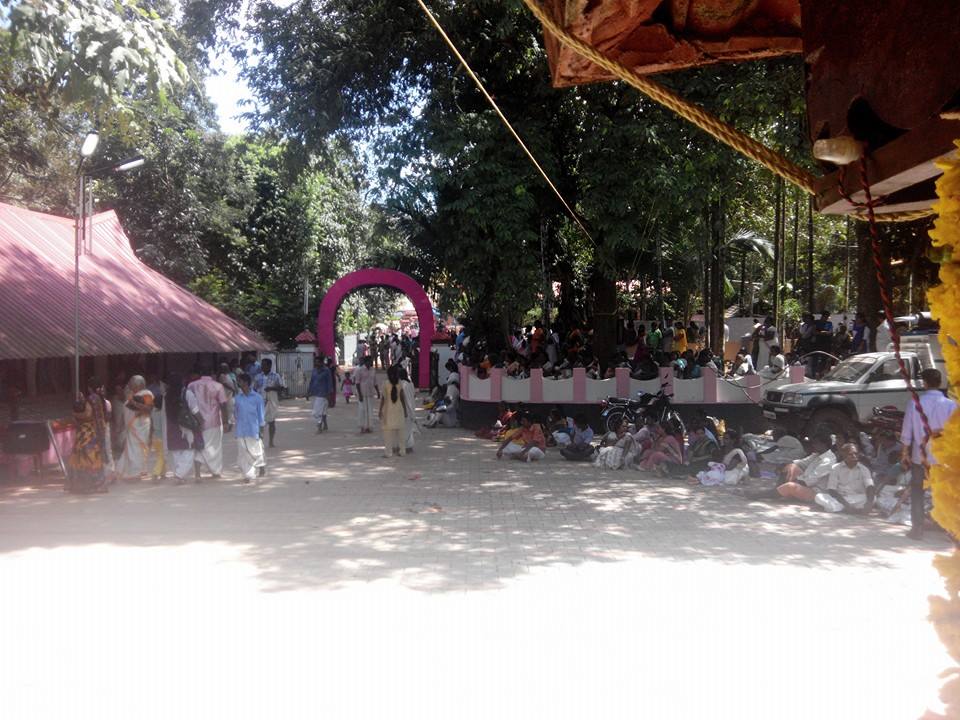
(226, 89)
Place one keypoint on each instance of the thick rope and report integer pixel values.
(503, 118)
(709, 123)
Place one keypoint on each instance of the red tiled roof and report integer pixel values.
(305, 337)
(126, 307)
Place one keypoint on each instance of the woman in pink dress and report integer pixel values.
(666, 448)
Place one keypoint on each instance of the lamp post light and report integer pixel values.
(85, 201)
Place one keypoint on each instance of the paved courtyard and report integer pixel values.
(448, 584)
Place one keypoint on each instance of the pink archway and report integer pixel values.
(375, 277)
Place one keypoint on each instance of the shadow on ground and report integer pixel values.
(448, 518)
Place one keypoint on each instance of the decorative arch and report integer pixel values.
(377, 277)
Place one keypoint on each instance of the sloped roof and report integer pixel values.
(305, 337)
(126, 307)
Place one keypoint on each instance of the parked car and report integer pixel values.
(846, 396)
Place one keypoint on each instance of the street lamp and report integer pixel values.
(85, 201)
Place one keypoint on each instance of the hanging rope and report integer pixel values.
(887, 303)
(709, 123)
(503, 118)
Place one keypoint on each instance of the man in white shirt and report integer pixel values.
(776, 364)
(938, 408)
(808, 476)
(849, 486)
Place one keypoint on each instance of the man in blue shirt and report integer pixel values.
(249, 419)
(581, 444)
(320, 389)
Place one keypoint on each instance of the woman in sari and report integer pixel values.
(86, 467)
(132, 464)
(620, 453)
(665, 449)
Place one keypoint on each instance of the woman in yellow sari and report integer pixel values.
(132, 465)
(86, 467)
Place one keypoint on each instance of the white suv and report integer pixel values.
(845, 397)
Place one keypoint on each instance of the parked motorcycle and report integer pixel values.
(647, 405)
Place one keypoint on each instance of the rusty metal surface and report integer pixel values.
(126, 307)
(652, 36)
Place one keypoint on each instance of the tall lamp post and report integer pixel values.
(83, 244)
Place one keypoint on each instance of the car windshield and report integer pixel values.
(849, 371)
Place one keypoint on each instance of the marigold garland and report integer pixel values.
(945, 307)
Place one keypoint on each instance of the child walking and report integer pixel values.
(347, 386)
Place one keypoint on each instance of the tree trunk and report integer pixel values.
(779, 225)
(716, 275)
(868, 300)
(794, 276)
(603, 291)
(743, 283)
(810, 307)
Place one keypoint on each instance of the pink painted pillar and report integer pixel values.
(579, 385)
(623, 382)
(797, 373)
(666, 380)
(536, 385)
(464, 381)
(708, 375)
(496, 384)
(753, 384)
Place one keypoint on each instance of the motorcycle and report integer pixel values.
(647, 405)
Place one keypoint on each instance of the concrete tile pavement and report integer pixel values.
(449, 584)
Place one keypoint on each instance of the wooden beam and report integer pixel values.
(900, 164)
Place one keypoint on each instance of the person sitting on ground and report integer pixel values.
(617, 452)
(529, 444)
(804, 478)
(786, 449)
(645, 368)
(728, 467)
(743, 364)
(580, 446)
(504, 413)
(665, 449)
(775, 366)
(560, 428)
(849, 486)
(446, 412)
(700, 451)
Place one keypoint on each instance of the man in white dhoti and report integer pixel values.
(249, 418)
(269, 384)
(138, 402)
(365, 381)
(212, 399)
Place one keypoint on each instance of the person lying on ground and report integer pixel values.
(528, 444)
(580, 446)
(850, 486)
(617, 452)
(785, 449)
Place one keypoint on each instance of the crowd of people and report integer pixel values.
(641, 348)
(153, 428)
(857, 473)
